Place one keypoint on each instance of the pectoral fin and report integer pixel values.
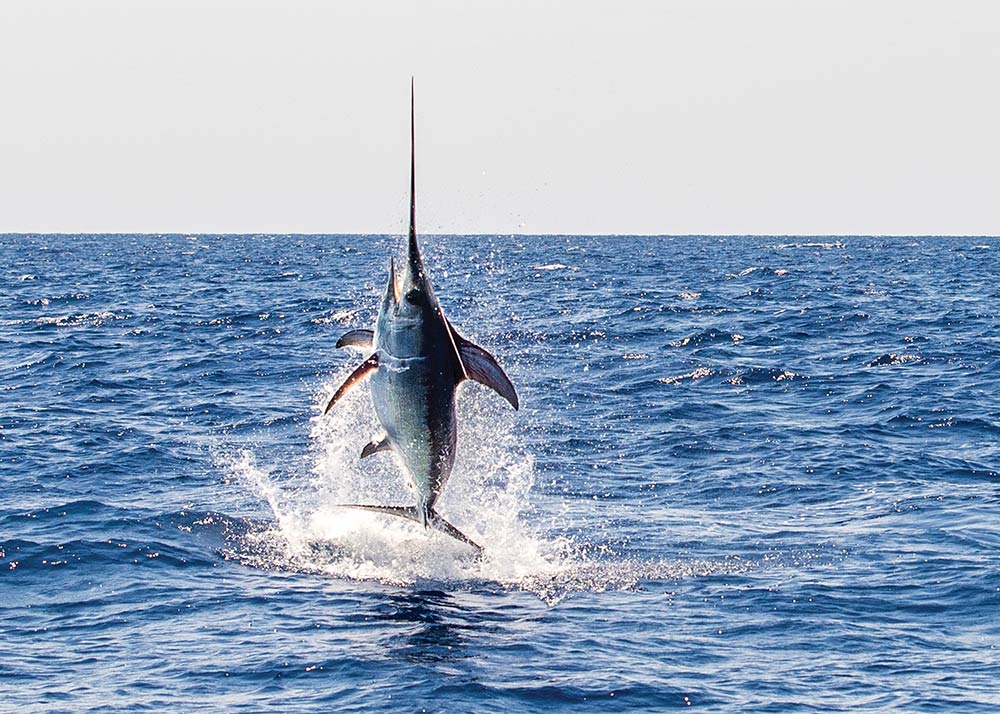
(482, 367)
(356, 338)
(374, 447)
(363, 370)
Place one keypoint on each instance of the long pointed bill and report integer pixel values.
(413, 250)
(414, 261)
(415, 273)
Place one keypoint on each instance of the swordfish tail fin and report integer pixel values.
(448, 529)
(412, 513)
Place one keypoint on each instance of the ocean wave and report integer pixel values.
(91, 319)
(890, 359)
(821, 245)
(708, 337)
(736, 375)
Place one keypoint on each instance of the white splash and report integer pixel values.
(487, 498)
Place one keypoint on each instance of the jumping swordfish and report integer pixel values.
(419, 360)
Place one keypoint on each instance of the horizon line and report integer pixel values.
(502, 234)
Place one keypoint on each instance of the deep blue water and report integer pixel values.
(748, 474)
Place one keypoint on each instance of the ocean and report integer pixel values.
(749, 473)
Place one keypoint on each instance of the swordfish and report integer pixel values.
(417, 363)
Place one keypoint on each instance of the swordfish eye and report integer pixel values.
(413, 297)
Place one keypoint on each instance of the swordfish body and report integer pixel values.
(419, 360)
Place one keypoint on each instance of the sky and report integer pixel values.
(700, 117)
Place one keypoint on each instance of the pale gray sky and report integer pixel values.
(705, 116)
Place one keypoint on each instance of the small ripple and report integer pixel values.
(90, 319)
(708, 337)
(700, 373)
(891, 359)
(821, 245)
(736, 376)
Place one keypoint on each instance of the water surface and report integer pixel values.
(749, 474)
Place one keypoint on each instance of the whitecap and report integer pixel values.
(699, 373)
(92, 319)
(551, 266)
(341, 317)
